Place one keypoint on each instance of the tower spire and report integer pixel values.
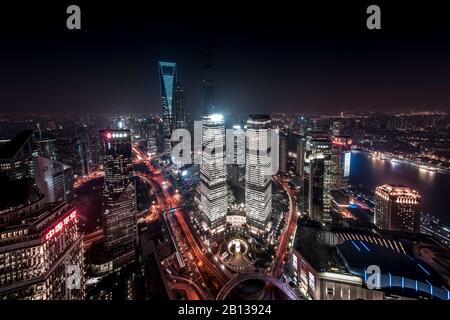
(208, 98)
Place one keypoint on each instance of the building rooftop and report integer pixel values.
(361, 254)
(11, 148)
(18, 193)
(397, 190)
(340, 197)
(321, 256)
(411, 265)
(259, 117)
(361, 214)
(398, 270)
(39, 218)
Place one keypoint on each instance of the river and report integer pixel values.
(434, 187)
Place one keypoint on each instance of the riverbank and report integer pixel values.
(366, 173)
(396, 158)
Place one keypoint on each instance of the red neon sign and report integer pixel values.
(60, 225)
(342, 142)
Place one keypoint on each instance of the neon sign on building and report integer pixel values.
(60, 225)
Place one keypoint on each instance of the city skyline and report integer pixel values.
(322, 60)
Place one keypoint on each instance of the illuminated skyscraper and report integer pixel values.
(179, 103)
(275, 150)
(168, 82)
(397, 208)
(316, 187)
(117, 159)
(236, 165)
(213, 177)
(40, 246)
(152, 139)
(340, 161)
(258, 170)
(319, 202)
(283, 153)
(300, 161)
(119, 194)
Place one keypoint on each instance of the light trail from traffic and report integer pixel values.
(288, 232)
(170, 205)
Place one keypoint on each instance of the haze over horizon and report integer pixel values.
(310, 61)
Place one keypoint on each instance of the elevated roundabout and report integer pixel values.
(253, 286)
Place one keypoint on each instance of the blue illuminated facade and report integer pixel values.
(399, 272)
(168, 83)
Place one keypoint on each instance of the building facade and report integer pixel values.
(41, 253)
(16, 156)
(258, 171)
(179, 106)
(54, 179)
(340, 161)
(319, 202)
(236, 164)
(397, 208)
(283, 153)
(300, 160)
(168, 82)
(213, 174)
(119, 194)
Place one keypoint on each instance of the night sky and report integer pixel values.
(267, 57)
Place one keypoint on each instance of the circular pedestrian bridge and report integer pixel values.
(255, 286)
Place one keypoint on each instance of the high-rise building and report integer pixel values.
(236, 165)
(168, 83)
(319, 202)
(337, 128)
(304, 201)
(283, 153)
(300, 161)
(93, 148)
(119, 219)
(74, 152)
(41, 252)
(208, 96)
(54, 179)
(302, 123)
(16, 156)
(117, 159)
(179, 104)
(213, 177)
(258, 170)
(340, 161)
(119, 194)
(316, 187)
(82, 151)
(275, 137)
(152, 139)
(397, 208)
(47, 148)
(120, 123)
